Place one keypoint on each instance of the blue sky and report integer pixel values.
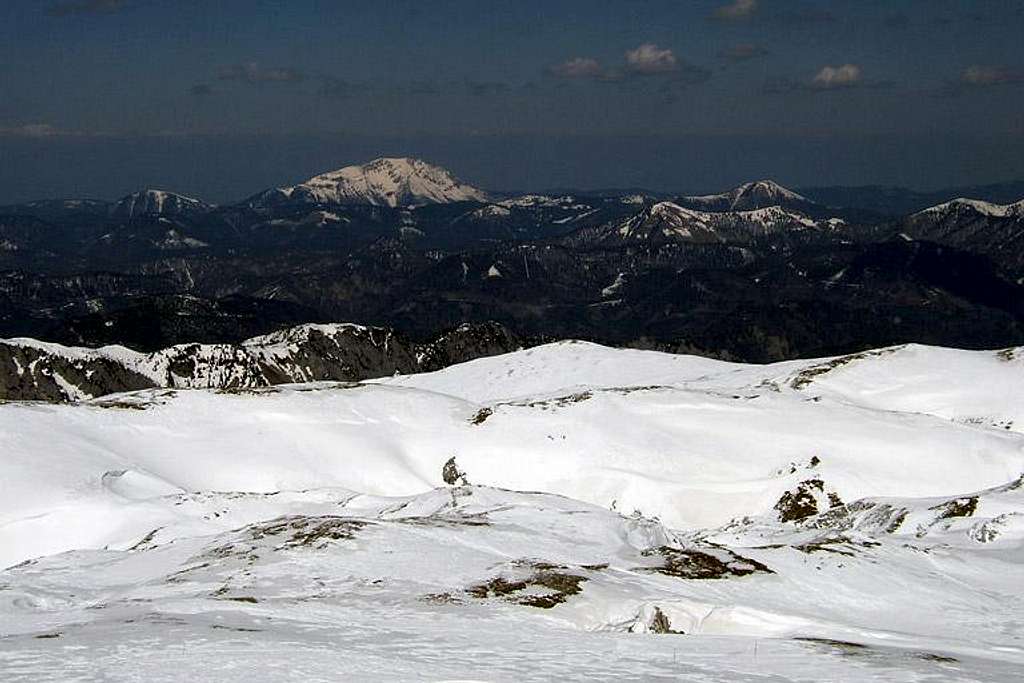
(224, 98)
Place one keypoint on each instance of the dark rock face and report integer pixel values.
(466, 343)
(34, 374)
(344, 353)
(48, 372)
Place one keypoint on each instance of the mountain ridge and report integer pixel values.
(1014, 209)
(31, 370)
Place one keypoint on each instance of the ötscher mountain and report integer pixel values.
(391, 182)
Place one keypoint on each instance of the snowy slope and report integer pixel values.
(565, 367)
(664, 440)
(860, 517)
(385, 182)
(496, 585)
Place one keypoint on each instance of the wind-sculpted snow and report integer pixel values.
(483, 583)
(859, 517)
(973, 387)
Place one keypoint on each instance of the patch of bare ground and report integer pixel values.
(451, 521)
(440, 599)
(247, 390)
(146, 540)
(307, 532)
(800, 503)
(547, 586)
(809, 374)
(483, 414)
(158, 398)
(717, 563)
(958, 507)
(837, 544)
(849, 649)
(236, 629)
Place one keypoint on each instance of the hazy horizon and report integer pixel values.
(224, 170)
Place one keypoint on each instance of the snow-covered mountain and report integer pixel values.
(963, 206)
(760, 194)
(669, 222)
(995, 230)
(392, 182)
(687, 518)
(158, 203)
(741, 215)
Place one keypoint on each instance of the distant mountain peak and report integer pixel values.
(759, 194)
(157, 202)
(387, 181)
(767, 188)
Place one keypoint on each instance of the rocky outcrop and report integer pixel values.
(44, 372)
(37, 371)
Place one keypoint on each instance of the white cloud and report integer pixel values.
(646, 60)
(843, 76)
(578, 67)
(736, 10)
(650, 59)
